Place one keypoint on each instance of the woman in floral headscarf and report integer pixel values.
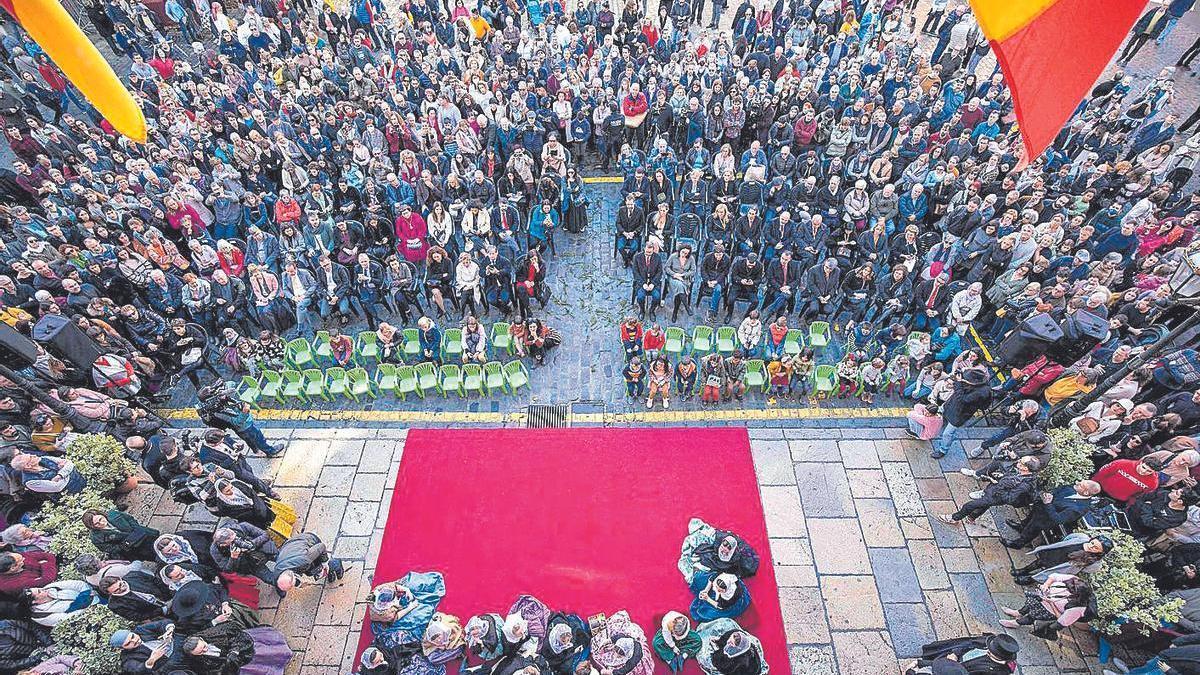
(620, 647)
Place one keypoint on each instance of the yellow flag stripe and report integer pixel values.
(1000, 19)
(60, 37)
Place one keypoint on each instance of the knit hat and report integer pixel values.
(118, 638)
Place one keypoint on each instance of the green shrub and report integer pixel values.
(1070, 459)
(62, 520)
(1127, 596)
(85, 634)
(101, 459)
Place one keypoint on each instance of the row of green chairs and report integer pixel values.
(705, 340)
(355, 383)
(824, 377)
(302, 353)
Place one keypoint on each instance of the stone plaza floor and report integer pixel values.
(866, 573)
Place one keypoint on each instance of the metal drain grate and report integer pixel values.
(542, 416)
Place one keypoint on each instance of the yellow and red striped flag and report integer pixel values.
(1052, 52)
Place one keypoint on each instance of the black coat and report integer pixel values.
(131, 606)
(965, 402)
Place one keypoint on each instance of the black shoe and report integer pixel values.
(1023, 580)
(1012, 543)
(337, 569)
(937, 454)
(1014, 524)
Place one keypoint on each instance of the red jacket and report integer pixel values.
(1120, 480)
(633, 106)
(40, 569)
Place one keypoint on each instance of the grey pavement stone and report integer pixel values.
(795, 575)
(368, 487)
(879, 525)
(916, 527)
(803, 616)
(858, 454)
(979, 611)
(783, 512)
(811, 660)
(824, 490)
(335, 481)
(927, 561)
(345, 452)
(946, 614)
(909, 626)
(791, 552)
(852, 602)
(838, 546)
(903, 488)
(868, 483)
(773, 462)
(898, 581)
(947, 536)
(815, 450)
(766, 434)
(811, 434)
(864, 652)
(863, 433)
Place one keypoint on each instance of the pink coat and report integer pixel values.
(410, 237)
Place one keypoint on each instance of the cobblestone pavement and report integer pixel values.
(866, 574)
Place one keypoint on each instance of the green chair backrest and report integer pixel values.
(313, 376)
(293, 377)
(472, 376)
(386, 369)
(493, 369)
(825, 372)
(320, 343)
(406, 378)
(368, 340)
(249, 385)
(336, 378)
(272, 377)
(500, 335)
(299, 347)
(451, 371)
(412, 341)
(516, 373)
(702, 337)
(675, 334)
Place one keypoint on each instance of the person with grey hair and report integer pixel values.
(304, 560)
(1023, 416)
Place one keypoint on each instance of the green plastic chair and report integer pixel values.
(501, 338)
(299, 353)
(818, 334)
(824, 380)
(336, 382)
(412, 342)
(427, 377)
(360, 383)
(321, 347)
(406, 382)
(676, 340)
(702, 339)
(293, 386)
(452, 380)
(793, 342)
(314, 384)
(249, 391)
(756, 374)
(472, 378)
(385, 378)
(726, 339)
(452, 344)
(493, 377)
(516, 375)
(366, 346)
(272, 383)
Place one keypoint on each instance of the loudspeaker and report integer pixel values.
(64, 339)
(1028, 341)
(1082, 331)
(16, 350)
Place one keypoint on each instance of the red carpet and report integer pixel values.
(586, 520)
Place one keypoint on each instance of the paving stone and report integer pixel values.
(961, 486)
(300, 499)
(326, 646)
(376, 457)
(994, 564)
(795, 575)
(759, 433)
(298, 612)
(360, 518)
(142, 502)
(392, 434)
(916, 527)
(325, 517)
(864, 652)
(898, 581)
(302, 464)
(879, 525)
(960, 560)
(803, 615)
(791, 551)
(351, 548)
(345, 453)
(892, 450)
(934, 488)
(946, 615)
(868, 483)
(858, 432)
(277, 433)
(838, 546)
(947, 535)
(335, 481)
(1066, 653)
(858, 454)
(979, 611)
(167, 506)
(909, 627)
(927, 561)
(310, 669)
(368, 487)
(903, 487)
(338, 601)
(815, 450)
(923, 466)
(773, 462)
(265, 468)
(164, 523)
(197, 517)
(812, 660)
(385, 508)
(824, 490)
(783, 512)
(1034, 650)
(852, 602)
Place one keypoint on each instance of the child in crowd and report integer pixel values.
(918, 347)
(898, 371)
(653, 342)
(341, 347)
(802, 372)
(780, 372)
(847, 374)
(712, 375)
(631, 337)
(685, 377)
(660, 381)
(871, 375)
(926, 377)
(635, 378)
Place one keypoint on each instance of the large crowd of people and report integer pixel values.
(848, 169)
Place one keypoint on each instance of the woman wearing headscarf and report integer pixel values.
(401, 610)
(22, 538)
(483, 638)
(718, 596)
(232, 498)
(188, 549)
(568, 642)
(1076, 553)
(119, 535)
(728, 553)
(729, 650)
(443, 639)
(620, 647)
(519, 664)
(676, 642)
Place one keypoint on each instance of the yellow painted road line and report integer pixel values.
(515, 418)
